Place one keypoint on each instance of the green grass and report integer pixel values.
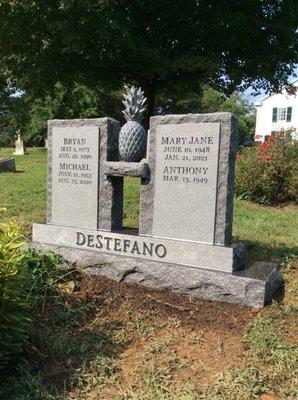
(87, 351)
(269, 232)
(131, 202)
(23, 194)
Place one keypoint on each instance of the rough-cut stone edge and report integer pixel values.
(51, 124)
(7, 164)
(225, 184)
(108, 150)
(122, 168)
(248, 287)
(110, 188)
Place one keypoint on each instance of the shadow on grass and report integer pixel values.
(70, 348)
(82, 354)
(258, 251)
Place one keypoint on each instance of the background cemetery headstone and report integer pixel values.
(20, 149)
(7, 165)
(186, 207)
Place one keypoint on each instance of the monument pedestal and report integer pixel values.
(161, 250)
(255, 286)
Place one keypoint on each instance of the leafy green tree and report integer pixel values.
(79, 102)
(12, 114)
(169, 46)
(238, 104)
(214, 101)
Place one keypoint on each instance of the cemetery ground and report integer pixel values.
(99, 339)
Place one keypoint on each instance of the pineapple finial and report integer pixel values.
(134, 103)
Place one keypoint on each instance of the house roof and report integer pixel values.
(259, 101)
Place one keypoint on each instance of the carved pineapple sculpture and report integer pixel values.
(133, 136)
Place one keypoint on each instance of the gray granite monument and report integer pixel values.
(7, 164)
(184, 242)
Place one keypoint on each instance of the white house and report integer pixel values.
(276, 112)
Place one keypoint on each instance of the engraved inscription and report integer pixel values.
(122, 245)
(185, 181)
(75, 176)
(74, 162)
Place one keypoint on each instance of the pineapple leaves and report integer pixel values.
(134, 102)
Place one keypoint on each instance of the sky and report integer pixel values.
(252, 98)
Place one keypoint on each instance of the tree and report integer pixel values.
(169, 46)
(12, 114)
(30, 114)
(214, 101)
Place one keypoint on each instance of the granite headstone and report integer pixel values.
(184, 241)
(7, 164)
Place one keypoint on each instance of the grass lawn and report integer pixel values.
(97, 339)
(269, 232)
(24, 194)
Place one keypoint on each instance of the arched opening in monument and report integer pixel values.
(131, 203)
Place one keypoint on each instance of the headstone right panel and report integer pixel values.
(186, 172)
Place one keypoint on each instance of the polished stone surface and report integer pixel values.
(186, 207)
(226, 163)
(186, 173)
(75, 175)
(197, 255)
(78, 194)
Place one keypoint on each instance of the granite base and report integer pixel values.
(254, 287)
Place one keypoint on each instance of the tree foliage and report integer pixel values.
(214, 101)
(30, 114)
(71, 57)
(167, 45)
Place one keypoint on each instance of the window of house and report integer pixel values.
(282, 114)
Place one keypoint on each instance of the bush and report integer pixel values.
(24, 278)
(14, 281)
(267, 174)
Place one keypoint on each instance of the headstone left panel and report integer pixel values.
(75, 175)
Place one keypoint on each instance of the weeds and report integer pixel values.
(95, 373)
(238, 383)
(26, 387)
(157, 383)
(145, 325)
(159, 345)
(266, 344)
(270, 365)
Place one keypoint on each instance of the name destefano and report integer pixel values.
(134, 247)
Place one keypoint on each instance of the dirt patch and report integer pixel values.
(120, 337)
(196, 313)
(169, 334)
